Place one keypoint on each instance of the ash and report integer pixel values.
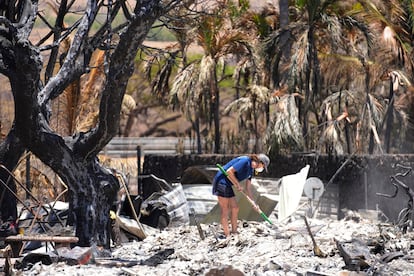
(260, 248)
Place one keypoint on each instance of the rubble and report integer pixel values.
(359, 244)
(258, 249)
(75, 256)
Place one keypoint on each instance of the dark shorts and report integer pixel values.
(223, 190)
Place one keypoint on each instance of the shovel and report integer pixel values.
(256, 207)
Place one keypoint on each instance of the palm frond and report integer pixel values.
(88, 107)
(207, 68)
(182, 83)
(285, 130)
(376, 108)
(160, 84)
(334, 27)
(260, 92)
(128, 104)
(241, 106)
(299, 59)
(350, 69)
(331, 136)
(183, 90)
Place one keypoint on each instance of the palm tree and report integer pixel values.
(185, 93)
(392, 22)
(285, 120)
(196, 87)
(331, 52)
(249, 107)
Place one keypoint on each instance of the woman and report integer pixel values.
(238, 169)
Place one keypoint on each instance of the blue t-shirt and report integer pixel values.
(243, 167)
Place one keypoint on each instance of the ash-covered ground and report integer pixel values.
(259, 249)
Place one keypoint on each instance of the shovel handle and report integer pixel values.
(223, 171)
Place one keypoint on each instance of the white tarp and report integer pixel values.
(290, 193)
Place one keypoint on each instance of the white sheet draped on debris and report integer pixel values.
(290, 193)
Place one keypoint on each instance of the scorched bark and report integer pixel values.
(92, 187)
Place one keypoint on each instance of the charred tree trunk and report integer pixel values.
(10, 152)
(91, 204)
(92, 188)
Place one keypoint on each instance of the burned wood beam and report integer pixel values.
(16, 242)
(355, 255)
(56, 239)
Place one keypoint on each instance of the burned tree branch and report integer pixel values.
(91, 186)
(406, 216)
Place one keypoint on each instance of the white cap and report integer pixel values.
(264, 159)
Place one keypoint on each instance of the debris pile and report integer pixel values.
(167, 244)
(259, 249)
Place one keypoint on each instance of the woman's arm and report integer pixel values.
(233, 179)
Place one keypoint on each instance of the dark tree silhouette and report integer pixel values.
(92, 187)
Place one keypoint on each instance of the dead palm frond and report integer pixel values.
(347, 105)
(160, 84)
(285, 131)
(183, 83)
(260, 93)
(376, 109)
(350, 69)
(87, 108)
(240, 106)
(300, 56)
(128, 105)
(370, 120)
(392, 22)
(206, 73)
(184, 92)
(332, 135)
(252, 103)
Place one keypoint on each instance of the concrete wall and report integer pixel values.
(358, 178)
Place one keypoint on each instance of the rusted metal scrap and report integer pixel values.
(355, 253)
(75, 256)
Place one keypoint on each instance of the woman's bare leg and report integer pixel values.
(224, 203)
(234, 213)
